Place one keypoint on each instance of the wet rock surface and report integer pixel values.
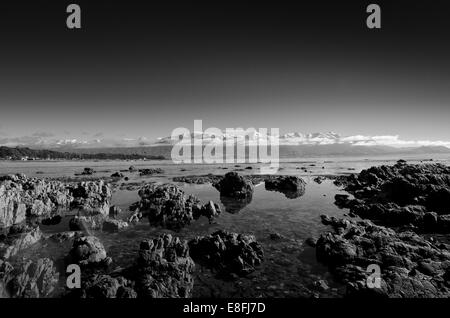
(402, 194)
(18, 238)
(411, 266)
(87, 250)
(28, 279)
(227, 252)
(168, 206)
(150, 171)
(234, 185)
(92, 197)
(163, 269)
(291, 186)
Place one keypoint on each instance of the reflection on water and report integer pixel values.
(234, 205)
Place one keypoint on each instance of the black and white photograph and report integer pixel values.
(234, 150)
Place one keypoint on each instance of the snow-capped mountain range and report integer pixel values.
(249, 137)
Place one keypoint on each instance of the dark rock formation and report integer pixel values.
(319, 179)
(28, 279)
(87, 223)
(227, 252)
(168, 206)
(164, 268)
(88, 250)
(411, 266)
(401, 194)
(88, 171)
(92, 197)
(234, 185)
(150, 171)
(18, 239)
(198, 179)
(38, 197)
(112, 225)
(291, 186)
(117, 174)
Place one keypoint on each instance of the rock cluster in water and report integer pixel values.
(28, 279)
(401, 195)
(234, 185)
(291, 186)
(410, 266)
(227, 252)
(150, 171)
(168, 206)
(163, 269)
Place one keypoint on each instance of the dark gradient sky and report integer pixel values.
(141, 69)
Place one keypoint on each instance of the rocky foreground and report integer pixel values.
(409, 204)
(163, 266)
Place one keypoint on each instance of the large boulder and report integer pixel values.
(227, 252)
(401, 195)
(410, 265)
(19, 239)
(291, 186)
(168, 206)
(235, 186)
(12, 210)
(88, 250)
(37, 197)
(92, 197)
(164, 268)
(113, 225)
(28, 279)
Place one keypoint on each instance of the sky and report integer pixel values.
(140, 69)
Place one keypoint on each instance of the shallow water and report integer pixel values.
(289, 268)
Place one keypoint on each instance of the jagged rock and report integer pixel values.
(102, 286)
(164, 268)
(88, 171)
(227, 252)
(411, 265)
(65, 236)
(117, 175)
(210, 210)
(88, 250)
(12, 210)
(38, 197)
(87, 223)
(291, 186)
(401, 195)
(319, 179)
(168, 206)
(235, 186)
(92, 197)
(19, 240)
(112, 225)
(28, 279)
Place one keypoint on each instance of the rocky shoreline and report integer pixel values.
(394, 213)
(409, 204)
